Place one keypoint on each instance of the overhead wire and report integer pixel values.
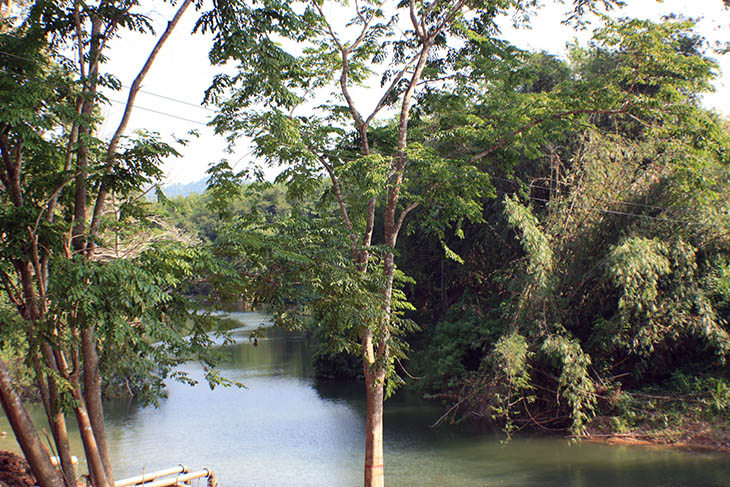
(613, 212)
(159, 112)
(58, 85)
(165, 97)
(547, 188)
(533, 198)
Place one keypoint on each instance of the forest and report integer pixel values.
(534, 241)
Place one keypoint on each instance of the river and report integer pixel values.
(285, 429)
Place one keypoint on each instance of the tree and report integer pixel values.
(618, 266)
(291, 56)
(57, 264)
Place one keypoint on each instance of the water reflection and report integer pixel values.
(285, 429)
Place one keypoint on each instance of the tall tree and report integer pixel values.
(57, 182)
(314, 57)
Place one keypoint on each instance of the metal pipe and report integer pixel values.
(148, 477)
(56, 462)
(177, 479)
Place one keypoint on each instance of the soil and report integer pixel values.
(695, 435)
(15, 471)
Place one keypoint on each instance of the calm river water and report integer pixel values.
(285, 430)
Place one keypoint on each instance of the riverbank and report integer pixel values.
(687, 433)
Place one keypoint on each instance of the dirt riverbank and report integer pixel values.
(688, 434)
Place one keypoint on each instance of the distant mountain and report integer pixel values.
(179, 189)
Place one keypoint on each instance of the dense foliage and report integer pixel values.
(605, 268)
(599, 264)
(551, 237)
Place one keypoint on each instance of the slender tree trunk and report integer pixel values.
(57, 421)
(91, 449)
(374, 458)
(26, 434)
(92, 393)
(374, 371)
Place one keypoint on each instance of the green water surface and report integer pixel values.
(285, 429)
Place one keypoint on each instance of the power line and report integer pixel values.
(165, 97)
(613, 212)
(160, 113)
(642, 205)
(534, 198)
(59, 85)
(200, 107)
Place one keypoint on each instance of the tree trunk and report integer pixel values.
(374, 459)
(374, 388)
(60, 435)
(91, 449)
(26, 434)
(92, 392)
(54, 413)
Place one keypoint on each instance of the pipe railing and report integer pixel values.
(178, 479)
(145, 478)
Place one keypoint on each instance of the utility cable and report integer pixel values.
(613, 212)
(58, 85)
(533, 198)
(165, 97)
(642, 205)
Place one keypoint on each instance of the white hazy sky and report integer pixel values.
(182, 73)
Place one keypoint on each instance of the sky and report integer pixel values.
(173, 89)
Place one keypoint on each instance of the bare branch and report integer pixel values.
(365, 25)
(12, 169)
(414, 20)
(7, 161)
(72, 140)
(79, 39)
(49, 204)
(448, 18)
(402, 217)
(11, 289)
(393, 84)
(340, 201)
(370, 224)
(332, 34)
(361, 126)
(109, 30)
(37, 267)
(133, 91)
(406, 102)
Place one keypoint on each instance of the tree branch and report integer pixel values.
(340, 202)
(370, 224)
(133, 91)
(448, 18)
(79, 39)
(403, 215)
(361, 126)
(49, 204)
(12, 169)
(393, 84)
(506, 140)
(366, 24)
(329, 27)
(10, 289)
(414, 20)
(37, 267)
